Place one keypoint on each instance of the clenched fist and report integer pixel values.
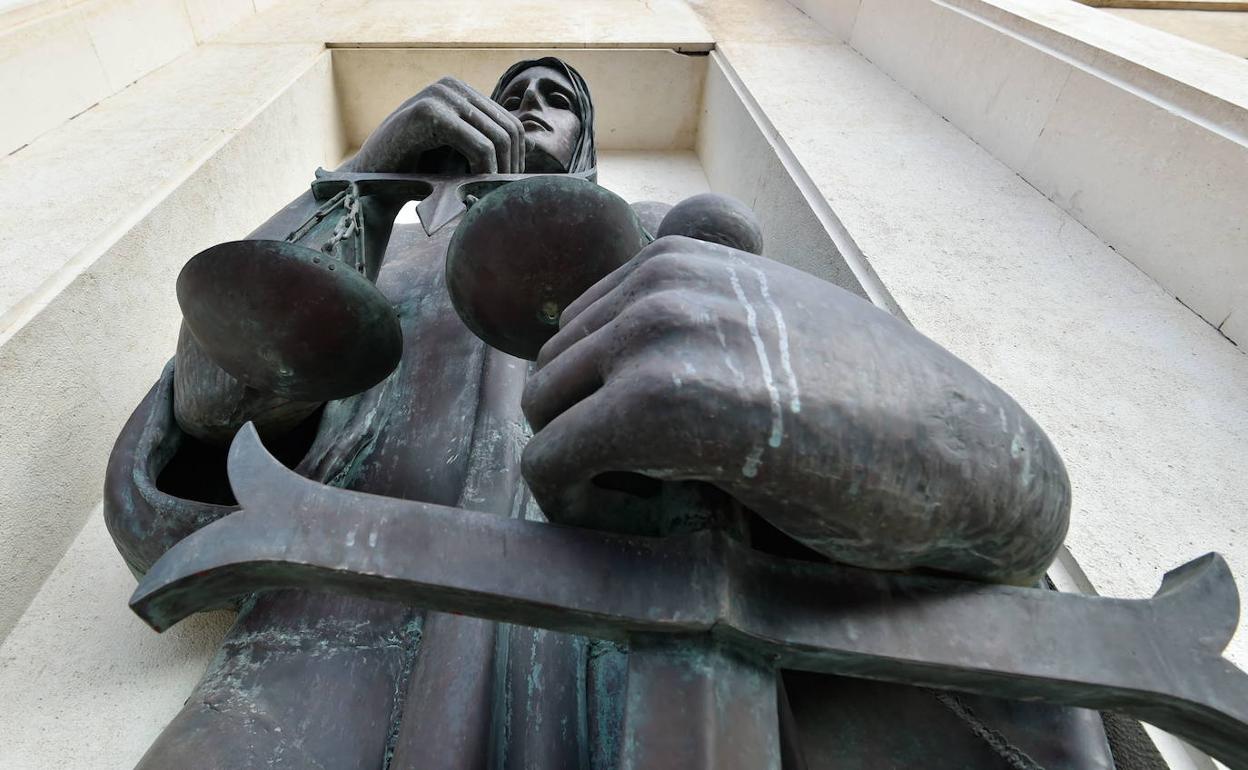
(839, 424)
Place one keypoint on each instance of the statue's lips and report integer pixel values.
(534, 123)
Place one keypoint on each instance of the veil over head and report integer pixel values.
(584, 154)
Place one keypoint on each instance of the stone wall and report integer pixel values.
(1141, 136)
(60, 57)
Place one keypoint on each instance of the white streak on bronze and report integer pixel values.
(764, 363)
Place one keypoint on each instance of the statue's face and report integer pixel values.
(542, 98)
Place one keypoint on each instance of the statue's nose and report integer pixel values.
(531, 99)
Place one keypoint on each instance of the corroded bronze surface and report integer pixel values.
(715, 219)
(525, 251)
(289, 320)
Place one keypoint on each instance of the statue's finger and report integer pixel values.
(552, 464)
(495, 133)
(638, 423)
(593, 318)
(451, 93)
(664, 247)
(598, 434)
(467, 140)
(650, 273)
(477, 109)
(509, 123)
(666, 340)
(600, 289)
(565, 381)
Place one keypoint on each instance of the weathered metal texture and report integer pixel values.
(286, 689)
(714, 218)
(144, 520)
(526, 251)
(693, 704)
(530, 244)
(453, 673)
(289, 320)
(852, 724)
(441, 198)
(421, 422)
(307, 323)
(1158, 660)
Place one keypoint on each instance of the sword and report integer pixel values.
(1158, 659)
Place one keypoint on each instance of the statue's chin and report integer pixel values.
(538, 161)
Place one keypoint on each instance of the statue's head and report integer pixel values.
(552, 101)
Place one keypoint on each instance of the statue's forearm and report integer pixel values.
(949, 473)
(212, 405)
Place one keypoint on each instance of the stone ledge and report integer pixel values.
(1224, 30)
(86, 683)
(65, 197)
(1172, 5)
(76, 361)
(1141, 136)
(1138, 55)
(479, 24)
(60, 57)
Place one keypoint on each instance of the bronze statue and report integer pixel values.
(698, 385)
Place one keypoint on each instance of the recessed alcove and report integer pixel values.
(174, 163)
(988, 155)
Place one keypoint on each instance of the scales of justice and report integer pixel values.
(654, 609)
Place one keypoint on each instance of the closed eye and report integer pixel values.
(560, 100)
(511, 103)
